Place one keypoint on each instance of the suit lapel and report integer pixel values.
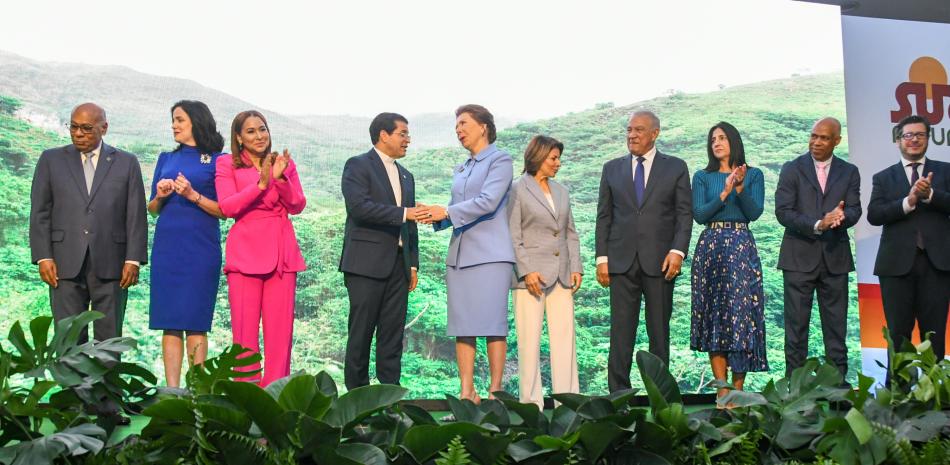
(928, 167)
(807, 169)
(535, 189)
(834, 172)
(106, 157)
(900, 176)
(657, 172)
(381, 177)
(626, 174)
(74, 162)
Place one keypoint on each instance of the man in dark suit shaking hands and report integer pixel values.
(88, 227)
(911, 200)
(817, 199)
(380, 251)
(644, 220)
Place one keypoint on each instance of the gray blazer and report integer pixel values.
(544, 241)
(66, 220)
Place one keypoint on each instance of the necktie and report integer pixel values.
(638, 181)
(88, 170)
(822, 175)
(914, 176)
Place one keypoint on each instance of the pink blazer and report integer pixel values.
(262, 239)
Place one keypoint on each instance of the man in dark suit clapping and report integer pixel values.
(911, 200)
(88, 228)
(380, 255)
(817, 199)
(644, 221)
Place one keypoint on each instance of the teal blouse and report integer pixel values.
(745, 207)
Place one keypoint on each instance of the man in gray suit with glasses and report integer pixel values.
(88, 229)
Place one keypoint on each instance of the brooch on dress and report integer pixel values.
(205, 159)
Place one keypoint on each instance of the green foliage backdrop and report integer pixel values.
(774, 118)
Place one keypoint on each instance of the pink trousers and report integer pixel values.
(269, 299)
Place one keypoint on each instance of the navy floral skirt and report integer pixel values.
(728, 300)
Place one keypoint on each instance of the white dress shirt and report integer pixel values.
(392, 171)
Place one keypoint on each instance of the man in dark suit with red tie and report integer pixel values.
(380, 255)
(817, 199)
(911, 200)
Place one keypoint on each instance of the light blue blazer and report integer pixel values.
(477, 210)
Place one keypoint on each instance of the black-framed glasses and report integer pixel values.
(83, 128)
(913, 135)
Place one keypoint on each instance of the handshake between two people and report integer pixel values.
(426, 214)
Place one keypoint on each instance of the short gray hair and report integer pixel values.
(649, 114)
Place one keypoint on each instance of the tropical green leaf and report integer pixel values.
(263, 410)
(365, 454)
(660, 385)
(362, 402)
(859, 426)
(597, 437)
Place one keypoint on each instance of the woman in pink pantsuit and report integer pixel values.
(259, 189)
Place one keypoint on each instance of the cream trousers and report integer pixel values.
(558, 303)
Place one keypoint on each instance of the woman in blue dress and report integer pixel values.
(480, 259)
(728, 318)
(186, 249)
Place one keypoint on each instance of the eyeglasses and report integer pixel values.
(403, 134)
(913, 135)
(84, 128)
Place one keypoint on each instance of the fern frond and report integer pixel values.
(455, 454)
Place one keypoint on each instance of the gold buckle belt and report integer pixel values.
(727, 225)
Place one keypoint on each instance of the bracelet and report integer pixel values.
(197, 199)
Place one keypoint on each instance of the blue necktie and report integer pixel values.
(638, 181)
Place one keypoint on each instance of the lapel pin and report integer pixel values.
(108, 158)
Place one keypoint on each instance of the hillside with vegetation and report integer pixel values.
(774, 118)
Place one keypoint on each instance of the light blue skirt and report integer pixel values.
(478, 299)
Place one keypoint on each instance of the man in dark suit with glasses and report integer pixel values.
(911, 200)
(88, 228)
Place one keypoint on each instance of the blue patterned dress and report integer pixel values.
(728, 299)
(186, 248)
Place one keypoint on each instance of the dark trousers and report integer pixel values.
(923, 295)
(376, 305)
(626, 290)
(832, 289)
(74, 296)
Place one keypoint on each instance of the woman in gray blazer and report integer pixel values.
(547, 270)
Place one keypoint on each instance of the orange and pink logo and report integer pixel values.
(927, 84)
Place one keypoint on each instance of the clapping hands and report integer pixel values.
(733, 181)
(921, 189)
(280, 163)
(832, 219)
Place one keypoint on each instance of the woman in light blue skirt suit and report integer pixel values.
(480, 257)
